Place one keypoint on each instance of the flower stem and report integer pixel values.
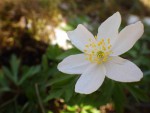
(39, 98)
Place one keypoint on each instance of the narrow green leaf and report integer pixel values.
(138, 93)
(53, 51)
(54, 94)
(4, 89)
(45, 63)
(70, 90)
(30, 72)
(3, 81)
(105, 92)
(119, 98)
(15, 63)
(59, 79)
(8, 73)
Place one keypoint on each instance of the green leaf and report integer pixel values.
(119, 98)
(67, 53)
(4, 89)
(63, 85)
(72, 108)
(106, 91)
(30, 72)
(45, 65)
(53, 51)
(54, 94)
(137, 92)
(15, 63)
(8, 73)
(2, 79)
(3, 83)
(69, 90)
(59, 79)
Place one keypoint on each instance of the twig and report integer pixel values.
(39, 98)
(8, 102)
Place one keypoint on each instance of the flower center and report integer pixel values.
(98, 52)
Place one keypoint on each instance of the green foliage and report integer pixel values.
(12, 73)
(41, 88)
(81, 109)
(119, 98)
(33, 86)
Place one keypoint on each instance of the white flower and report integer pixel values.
(101, 54)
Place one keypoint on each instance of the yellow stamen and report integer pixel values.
(98, 52)
(95, 37)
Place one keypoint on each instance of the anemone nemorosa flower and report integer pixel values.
(100, 55)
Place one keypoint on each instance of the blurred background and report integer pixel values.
(33, 41)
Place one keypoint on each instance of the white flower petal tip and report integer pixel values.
(115, 17)
(80, 37)
(74, 64)
(123, 70)
(109, 28)
(127, 38)
(141, 26)
(81, 91)
(117, 14)
(91, 79)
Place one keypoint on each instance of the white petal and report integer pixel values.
(74, 64)
(109, 28)
(91, 79)
(127, 38)
(80, 37)
(122, 70)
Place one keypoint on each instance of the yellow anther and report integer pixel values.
(104, 48)
(99, 43)
(98, 52)
(90, 58)
(93, 45)
(108, 40)
(104, 60)
(85, 50)
(109, 46)
(93, 52)
(95, 37)
(90, 39)
(86, 45)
